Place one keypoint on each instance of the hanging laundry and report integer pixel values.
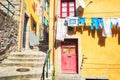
(95, 23)
(107, 29)
(82, 3)
(61, 30)
(88, 21)
(66, 21)
(118, 22)
(72, 21)
(34, 40)
(101, 22)
(81, 21)
(114, 21)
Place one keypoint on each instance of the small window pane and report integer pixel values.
(64, 4)
(64, 9)
(71, 8)
(71, 13)
(71, 3)
(72, 50)
(66, 50)
(64, 14)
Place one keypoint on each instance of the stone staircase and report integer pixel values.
(27, 65)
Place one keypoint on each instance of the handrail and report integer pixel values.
(11, 4)
(46, 64)
(7, 8)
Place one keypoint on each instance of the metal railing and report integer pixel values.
(9, 5)
(46, 65)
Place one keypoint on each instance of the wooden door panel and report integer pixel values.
(73, 64)
(69, 59)
(65, 64)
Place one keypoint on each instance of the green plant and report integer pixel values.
(5, 57)
(53, 74)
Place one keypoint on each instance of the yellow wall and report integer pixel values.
(102, 8)
(103, 54)
(32, 13)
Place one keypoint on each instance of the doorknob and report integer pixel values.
(69, 56)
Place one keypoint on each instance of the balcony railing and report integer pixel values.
(9, 7)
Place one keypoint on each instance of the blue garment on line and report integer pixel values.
(81, 21)
(96, 23)
(117, 24)
(100, 20)
(111, 24)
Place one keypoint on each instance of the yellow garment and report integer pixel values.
(88, 21)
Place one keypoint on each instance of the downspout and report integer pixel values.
(51, 24)
(54, 39)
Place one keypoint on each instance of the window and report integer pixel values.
(46, 6)
(46, 21)
(67, 8)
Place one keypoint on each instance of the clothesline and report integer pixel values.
(95, 23)
(76, 21)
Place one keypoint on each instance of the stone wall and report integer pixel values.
(9, 26)
(8, 33)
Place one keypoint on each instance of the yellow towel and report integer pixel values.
(88, 21)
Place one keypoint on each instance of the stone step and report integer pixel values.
(26, 59)
(69, 77)
(28, 54)
(22, 61)
(22, 64)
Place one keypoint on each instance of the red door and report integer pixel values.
(69, 57)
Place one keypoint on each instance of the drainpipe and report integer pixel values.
(54, 38)
(51, 24)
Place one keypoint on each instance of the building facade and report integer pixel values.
(82, 46)
(29, 28)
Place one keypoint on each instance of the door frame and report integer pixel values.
(26, 44)
(72, 56)
(58, 54)
(26, 18)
